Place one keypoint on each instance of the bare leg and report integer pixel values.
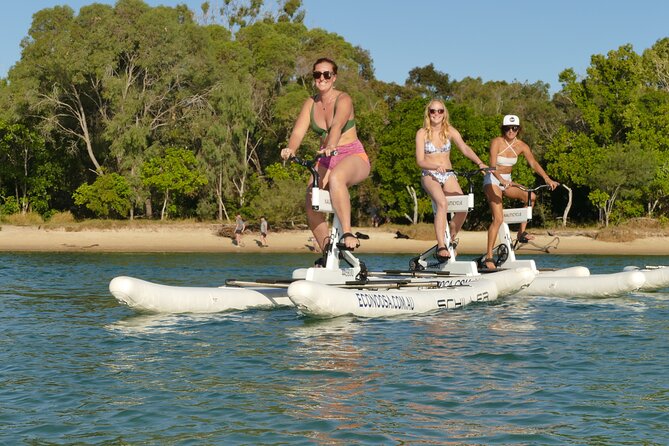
(434, 190)
(350, 171)
(515, 193)
(450, 188)
(316, 221)
(494, 196)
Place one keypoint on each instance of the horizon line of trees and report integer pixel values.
(130, 110)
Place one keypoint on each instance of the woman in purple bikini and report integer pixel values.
(330, 114)
(433, 155)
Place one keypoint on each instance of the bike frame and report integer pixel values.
(513, 216)
(456, 203)
(332, 272)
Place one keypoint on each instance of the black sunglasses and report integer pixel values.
(515, 128)
(326, 74)
(436, 110)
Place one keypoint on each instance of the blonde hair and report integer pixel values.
(445, 124)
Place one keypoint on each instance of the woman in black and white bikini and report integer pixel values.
(433, 155)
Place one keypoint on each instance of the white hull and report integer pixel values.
(142, 295)
(574, 271)
(595, 285)
(326, 301)
(152, 297)
(657, 277)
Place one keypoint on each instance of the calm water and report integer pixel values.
(76, 367)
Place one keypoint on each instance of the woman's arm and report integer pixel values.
(534, 164)
(299, 130)
(464, 148)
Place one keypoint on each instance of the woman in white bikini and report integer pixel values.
(504, 153)
(433, 155)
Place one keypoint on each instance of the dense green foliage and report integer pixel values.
(115, 108)
(108, 196)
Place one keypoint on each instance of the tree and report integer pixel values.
(614, 176)
(605, 96)
(281, 197)
(176, 171)
(25, 167)
(431, 81)
(108, 196)
(395, 169)
(111, 80)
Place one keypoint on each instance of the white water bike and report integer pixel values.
(456, 203)
(566, 282)
(329, 290)
(329, 269)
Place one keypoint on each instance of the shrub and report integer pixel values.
(108, 196)
(60, 218)
(27, 219)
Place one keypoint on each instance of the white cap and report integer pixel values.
(511, 120)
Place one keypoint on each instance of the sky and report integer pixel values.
(516, 40)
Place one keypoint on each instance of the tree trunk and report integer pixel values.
(162, 211)
(219, 196)
(565, 215)
(412, 194)
(148, 208)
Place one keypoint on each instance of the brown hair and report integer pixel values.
(325, 59)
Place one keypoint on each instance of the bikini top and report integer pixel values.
(507, 161)
(323, 132)
(430, 147)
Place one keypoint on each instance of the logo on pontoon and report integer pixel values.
(378, 300)
(454, 282)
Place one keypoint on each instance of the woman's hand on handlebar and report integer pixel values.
(328, 151)
(552, 183)
(287, 153)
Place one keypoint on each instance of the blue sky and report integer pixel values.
(523, 40)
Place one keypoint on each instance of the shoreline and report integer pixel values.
(204, 238)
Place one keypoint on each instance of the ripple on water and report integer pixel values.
(77, 367)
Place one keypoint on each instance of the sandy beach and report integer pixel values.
(205, 238)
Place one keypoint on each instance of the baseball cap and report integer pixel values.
(510, 120)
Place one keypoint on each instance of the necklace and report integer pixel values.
(329, 101)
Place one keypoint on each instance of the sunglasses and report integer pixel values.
(515, 128)
(325, 74)
(434, 111)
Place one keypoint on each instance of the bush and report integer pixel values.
(61, 218)
(10, 206)
(281, 202)
(108, 196)
(27, 219)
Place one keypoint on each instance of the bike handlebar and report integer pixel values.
(527, 189)
(470, 173)
(311, 165)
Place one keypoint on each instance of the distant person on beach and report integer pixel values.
(263, 231)
(504, 153)
(433, 155)
(240, 226)
(330, 114)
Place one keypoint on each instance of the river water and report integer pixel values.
(76, 367)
